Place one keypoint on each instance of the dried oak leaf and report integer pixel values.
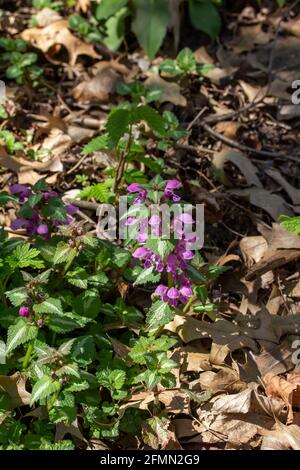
(170, 91)
(51, 38)
(278, 387)
(103, 84)
(253, 249)
(14, 386)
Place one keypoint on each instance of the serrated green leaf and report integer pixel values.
(159, 314)
(49, 305)
(19, 334)
(292, 224)
(63, 253)
(23, 256)
(78, 277)
(17, 296)
(83, 350)
(98, 143)
(117, 125)
(146, 276)
(160, 247)
(43, 388)
(152, 118)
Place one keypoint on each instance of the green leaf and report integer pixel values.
(152, 118)
(202, 294)
(6, 197)
(117, 125)
(150, 24)
(49, 305)
(149, 345)
(99, 191)
(205, 17)
(64, 253)
(24, 256)
(87, 304)
(63, 324)
(99, 143)
(83, 350)
(186, 60)
(115, 29)
(78, 278)
(146, 276)
(292, 224)
(44, 388)
(150, 377)
(160, 247)
(159, 314)
(20, 333)
(169, 67)
(108, 8)
(17, 296)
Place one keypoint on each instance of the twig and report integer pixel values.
(193, 148)
(245, 148)
(91, 206)
(77, 164)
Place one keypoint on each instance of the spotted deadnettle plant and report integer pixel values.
(41, 211)
(166, 260)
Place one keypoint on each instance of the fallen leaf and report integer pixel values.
(285, 437)
(51, 38)
(202, 57)
(292, 192)
(14, 386)
(228, 128)
(46, 16)
(240, 160)
(253, 94)
(170, 91)
(278, 387)
(253, 249)
(273, 204)
(100, 87)
(83, 5)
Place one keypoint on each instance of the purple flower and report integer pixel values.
(161, 291)
(71, 210)
(137, 188)
(169, 190)
(20, 189)
(141, 252)
(19, 223)
(24, 312)
(40, 323)
(173, 295)
(131, 221)
(42, 229)
(49, 194)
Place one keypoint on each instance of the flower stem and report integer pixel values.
(122, 162)
(187, 306)
(28, 354)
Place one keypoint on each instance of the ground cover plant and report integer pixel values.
(114, 335)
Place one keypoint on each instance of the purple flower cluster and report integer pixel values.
(174, 266)
(37, 223)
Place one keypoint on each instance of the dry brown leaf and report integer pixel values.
(83, 5)
(279, 238)
(100, 87)
(46, 16)
(175, 401)
(170, 91)
(62, 429)
(253, 249)
(271, 261)
(286, 112)
(14, 386)
(225, 380)
(240, 161)
(202, 57)
(253, 94)
(190, 359)
(273, 204)
(292, 192)
(278, 387)
(228, 128)
(285, 437)
(51, 38)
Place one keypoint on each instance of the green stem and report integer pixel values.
(53, 400)
(122, 162)
(187, 306)
(28, 354)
